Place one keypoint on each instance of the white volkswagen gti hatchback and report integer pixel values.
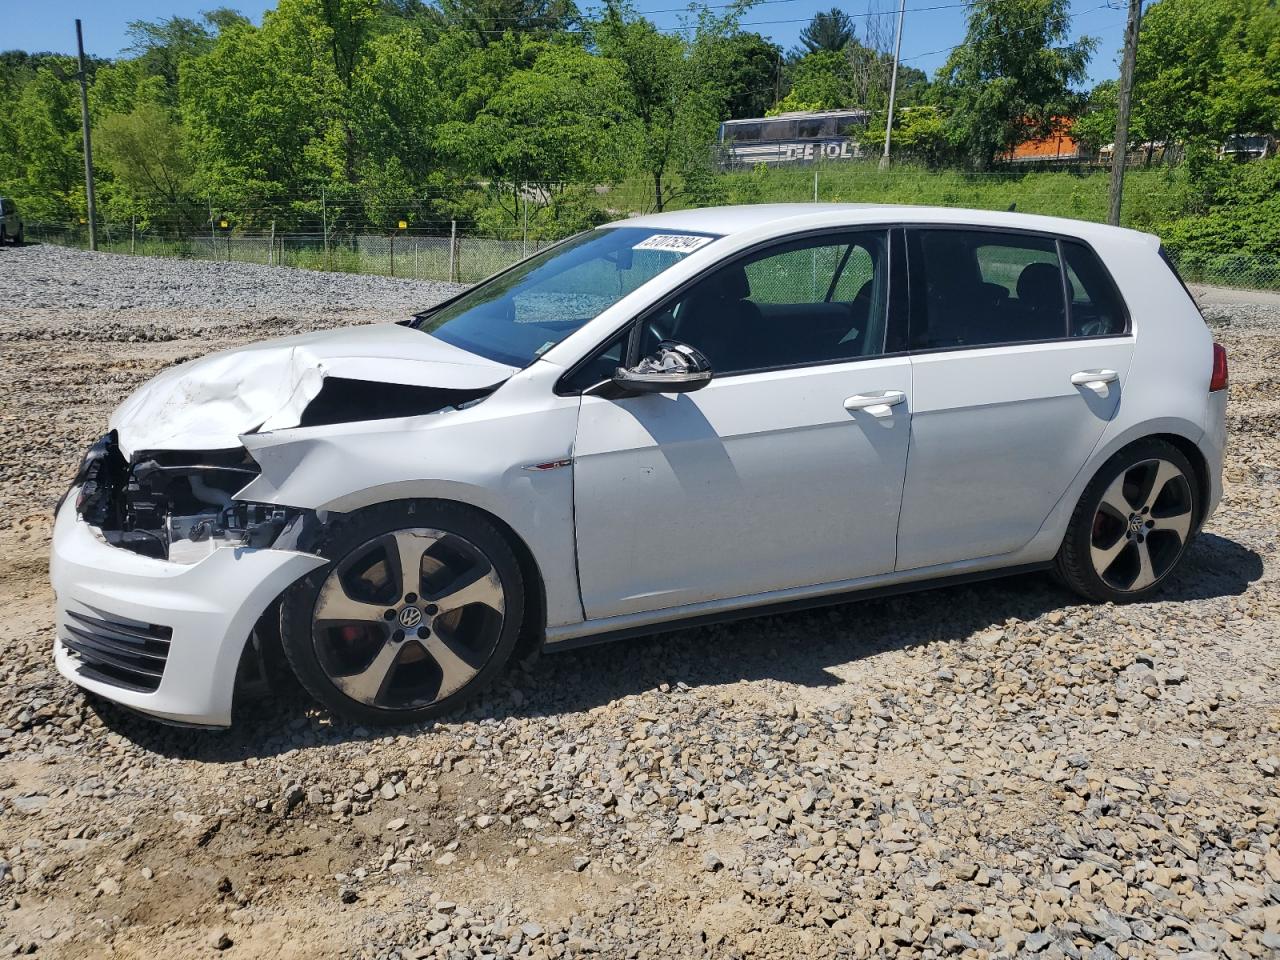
(664, 420)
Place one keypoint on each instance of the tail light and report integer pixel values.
(1218, 380)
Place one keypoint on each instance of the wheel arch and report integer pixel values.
(262, 647)
(534, 627)
(1195, 456)
(1075, 566)
(1178, 434)
(1182, 434)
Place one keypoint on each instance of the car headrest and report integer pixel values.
(1040, 285)
(733, 283)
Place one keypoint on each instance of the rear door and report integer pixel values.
(1020, 348)
(786, 470)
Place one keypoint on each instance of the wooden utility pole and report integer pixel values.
(324, 220)
(88, 145)
(453, 250)
(893, 84)
(1121, 145)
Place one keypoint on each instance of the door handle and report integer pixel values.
(871, 401)
(1094, 378)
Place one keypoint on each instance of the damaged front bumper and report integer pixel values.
(157, 636)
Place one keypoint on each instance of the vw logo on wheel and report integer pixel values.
(410, 617)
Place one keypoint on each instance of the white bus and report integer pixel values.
(793, 138)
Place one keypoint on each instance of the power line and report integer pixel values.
(672, 31)
(919, 56)
(1065, 18)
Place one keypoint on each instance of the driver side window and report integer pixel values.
(816, 300)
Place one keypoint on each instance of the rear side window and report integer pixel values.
(1097, 309)
(982, 287)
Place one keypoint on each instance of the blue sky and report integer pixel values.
(932, 26)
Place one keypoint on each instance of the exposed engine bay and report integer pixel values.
(174, 504)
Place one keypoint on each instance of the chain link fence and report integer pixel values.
(1231, 270)
(466, 258)
(463, 259)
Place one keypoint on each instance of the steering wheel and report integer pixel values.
(1097, 327)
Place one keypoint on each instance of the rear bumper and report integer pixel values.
(1213, 444)
(158, 637)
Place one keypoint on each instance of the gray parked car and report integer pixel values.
(10, 221)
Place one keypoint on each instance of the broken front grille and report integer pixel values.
(129, 655)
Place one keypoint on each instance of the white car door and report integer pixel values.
(1017, 366)
(786, 470)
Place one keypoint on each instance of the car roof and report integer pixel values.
(789, 217)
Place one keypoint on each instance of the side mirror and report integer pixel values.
(672, 368)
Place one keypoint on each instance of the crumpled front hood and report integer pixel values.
(206, 404)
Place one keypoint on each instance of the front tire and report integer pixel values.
(1133, 524)
(418, 610)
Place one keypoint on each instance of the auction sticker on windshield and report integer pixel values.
(673, 242)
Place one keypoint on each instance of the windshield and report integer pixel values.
(519, 315)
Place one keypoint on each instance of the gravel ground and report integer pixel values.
(993, 770)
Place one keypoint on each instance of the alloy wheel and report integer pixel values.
(1142, 525)
(408, 618)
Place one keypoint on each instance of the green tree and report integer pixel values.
(871, 72)
(828, 31)
(674, 108)
(920, 133)
(260, 110)
(397, 106)
(160, 46)
(819, 81)
(1012, 76)
(1207, 70)
(10, 163)
(745, 68)
(121, 86)
(143, 150)
(487, 20)
(554, 124)
(1095, 126)
(856, 76)
(46, 121)
(321, 97)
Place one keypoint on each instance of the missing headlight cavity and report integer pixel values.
(342, 400)
(175, 504)
(165, 483)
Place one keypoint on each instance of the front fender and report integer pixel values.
(476, 456)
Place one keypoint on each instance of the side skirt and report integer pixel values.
(607, 634)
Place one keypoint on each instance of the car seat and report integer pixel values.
(719, 320)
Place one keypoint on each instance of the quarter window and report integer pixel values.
(1096, 307)
(817, 300)
(978, 288)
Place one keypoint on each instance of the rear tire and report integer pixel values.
(418, 610)
(1133, 524)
